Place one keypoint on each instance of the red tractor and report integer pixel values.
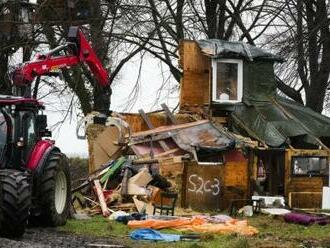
(34, 174)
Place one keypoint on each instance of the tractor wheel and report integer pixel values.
(54, 191)
(15, 203)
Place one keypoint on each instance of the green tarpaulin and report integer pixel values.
(280, 122)
(263, 114)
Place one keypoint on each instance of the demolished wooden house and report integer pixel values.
(248, 140)
(292, 153)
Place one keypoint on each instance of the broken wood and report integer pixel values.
(163, 129)
(94, 175)
(169, 114)
(100, 196)
(162, 143)
(145, 161)
(97, 204)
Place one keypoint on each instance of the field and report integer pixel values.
(273, 232)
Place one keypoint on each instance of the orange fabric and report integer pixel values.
(160, 224)
(197, 224)
(232, 226)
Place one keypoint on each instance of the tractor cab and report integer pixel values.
(21, 127)
(31, 167)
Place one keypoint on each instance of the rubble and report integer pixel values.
(149, 162)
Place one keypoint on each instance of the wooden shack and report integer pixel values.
(239, 91)
(281, 147)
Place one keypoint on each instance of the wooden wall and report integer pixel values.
(200, 183)
(236, 177)
(304, 191)
(195, 83)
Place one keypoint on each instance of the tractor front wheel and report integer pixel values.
(15, 203)
(54, 191)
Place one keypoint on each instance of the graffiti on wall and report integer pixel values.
(199, 185)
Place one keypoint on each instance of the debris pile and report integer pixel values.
(145, 163)
(121, 184)
(146, 174)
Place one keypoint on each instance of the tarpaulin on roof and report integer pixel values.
(281, 121)
(258, 82)
(225, 49)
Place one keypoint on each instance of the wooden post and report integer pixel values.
(169, 114)
(162, 143)
(100, 196)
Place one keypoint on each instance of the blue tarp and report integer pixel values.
(150, 234)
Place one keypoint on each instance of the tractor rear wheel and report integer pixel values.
(15, 203)
(54, 191)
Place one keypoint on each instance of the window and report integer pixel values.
(310, 166)
(227, 83)
(30, 132)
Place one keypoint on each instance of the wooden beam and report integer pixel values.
(169, 114)
(100, 196)
(169, 128)
(162, 143)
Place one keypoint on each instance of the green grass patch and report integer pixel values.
(273, 232)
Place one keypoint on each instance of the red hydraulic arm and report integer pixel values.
(78, 50)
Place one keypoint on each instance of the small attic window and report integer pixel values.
(227, 85)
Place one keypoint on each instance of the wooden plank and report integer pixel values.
(305, 199)
(169, 114)
(162, 143)
(146, 119)
(169, 128)
(100, 196)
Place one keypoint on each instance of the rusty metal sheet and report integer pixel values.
(188, 137)
(204, 135)
(204, 185)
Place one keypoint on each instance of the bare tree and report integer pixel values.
(170, 21)
(303, 37)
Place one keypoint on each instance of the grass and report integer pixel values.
(273, 232)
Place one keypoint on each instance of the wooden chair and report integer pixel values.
(167, 203)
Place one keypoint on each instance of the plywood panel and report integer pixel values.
(195, 84)
(204, 185)
(233, 181)
(308, 184)
(305, 199)
(194, 89)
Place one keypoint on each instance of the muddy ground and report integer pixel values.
(51, 238)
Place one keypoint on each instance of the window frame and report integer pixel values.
(28, 147)
(239, 63)
(310, 175)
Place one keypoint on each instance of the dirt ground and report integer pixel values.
(51, 238)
